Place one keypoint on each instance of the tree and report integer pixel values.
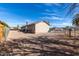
(75, 22)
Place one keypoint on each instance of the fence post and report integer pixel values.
(70, 32)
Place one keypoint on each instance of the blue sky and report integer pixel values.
(18, 13)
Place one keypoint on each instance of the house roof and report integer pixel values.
(3, 23)
(39, 22)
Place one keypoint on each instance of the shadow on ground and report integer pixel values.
(41, 46)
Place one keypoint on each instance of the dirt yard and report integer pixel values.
(18, 34)
(48, 44)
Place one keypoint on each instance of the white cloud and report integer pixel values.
(57, 4)
(52, 18)
(66, 24)
(48, 4)
(47, 10)
(50, 14)
(57, 18)
(63, 24)
(37, 5)
(51, 4)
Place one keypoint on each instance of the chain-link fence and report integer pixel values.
(67, 32)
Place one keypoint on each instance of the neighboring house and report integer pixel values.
(37, 27)
(56, 29)
(3, 31)
(23, 28)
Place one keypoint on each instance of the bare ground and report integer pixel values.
(48, 44)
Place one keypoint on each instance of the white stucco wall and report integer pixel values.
(41, 27)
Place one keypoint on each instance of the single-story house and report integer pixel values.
(37, 27)
(3, 31)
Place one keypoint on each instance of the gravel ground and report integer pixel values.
(49, 44)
